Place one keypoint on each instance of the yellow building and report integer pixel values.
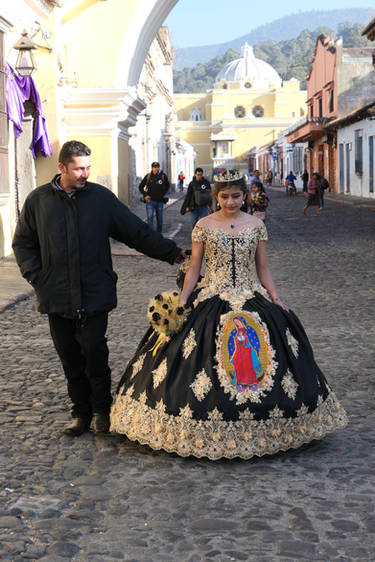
(248, 106)
(89, 59)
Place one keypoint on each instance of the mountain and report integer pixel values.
(291, 58)
(277, 30)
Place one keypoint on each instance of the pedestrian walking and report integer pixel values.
(313, 191)
(239, 378)
(153, 188)
(198, 197)
(62, 247)
(181, 178)
(269, 177)
(305, 179)
(323, 186)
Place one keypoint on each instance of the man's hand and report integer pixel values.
(187, 209)
(181, 257)
(147, 198)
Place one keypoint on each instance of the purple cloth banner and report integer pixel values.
(18, 90)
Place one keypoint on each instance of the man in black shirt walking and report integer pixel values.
(153, 187)
(198, 197)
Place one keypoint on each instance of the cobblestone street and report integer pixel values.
(103, 498)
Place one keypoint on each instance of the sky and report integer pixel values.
(193, 23)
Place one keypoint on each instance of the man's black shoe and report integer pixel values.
(77, 427)
(100, 423)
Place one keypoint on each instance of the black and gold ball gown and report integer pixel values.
(239, 380)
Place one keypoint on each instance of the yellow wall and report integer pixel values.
(100, 154)
(218, 104)
(93, 41)
(123, 159)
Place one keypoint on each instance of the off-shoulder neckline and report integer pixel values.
(230, 233)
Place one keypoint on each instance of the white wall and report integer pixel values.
(358, 185)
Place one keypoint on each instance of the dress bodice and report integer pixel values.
(230, 260)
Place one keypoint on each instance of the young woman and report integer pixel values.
(258, 201)
(239, 379)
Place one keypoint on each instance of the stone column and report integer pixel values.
(127, 174)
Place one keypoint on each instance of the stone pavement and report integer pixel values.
(103, 498)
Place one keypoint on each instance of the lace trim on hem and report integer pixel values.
(216, 438)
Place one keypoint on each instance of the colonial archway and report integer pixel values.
(142, 31)
(104, 102)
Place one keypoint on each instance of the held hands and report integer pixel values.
(180, 257)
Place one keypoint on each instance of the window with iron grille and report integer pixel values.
(358, 166)
(239, 112)
(258, 111)
(331, 102)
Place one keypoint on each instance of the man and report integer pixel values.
(305, 179)
(323, 186)
(255, 177)
(153, 187)
(62, 247)
(198, 197)
(290, 186)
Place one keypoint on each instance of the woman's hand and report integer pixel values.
(280, 303)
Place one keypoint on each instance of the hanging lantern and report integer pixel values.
(25, 64)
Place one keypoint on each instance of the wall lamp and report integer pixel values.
(25, 64)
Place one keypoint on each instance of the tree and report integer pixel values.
(290, 58)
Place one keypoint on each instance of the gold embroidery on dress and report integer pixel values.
(201, 385)
(189, 344)
(216, 438)
(159, 374)
(292, 342)
(289, 385)
(276, 413)
(230, 264)
(137, 365)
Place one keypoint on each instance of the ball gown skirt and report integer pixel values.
(239, 380)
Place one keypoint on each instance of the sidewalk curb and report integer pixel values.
(15, 300)
(25, 295)
(334, 200)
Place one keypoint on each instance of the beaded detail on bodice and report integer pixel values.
(230, 262)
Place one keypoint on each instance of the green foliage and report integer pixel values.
(202, 76)
(291, 58)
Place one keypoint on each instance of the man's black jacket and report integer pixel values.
(189, 201)
(156, 186)
(62, 247)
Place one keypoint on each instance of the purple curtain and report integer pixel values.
(18, 90)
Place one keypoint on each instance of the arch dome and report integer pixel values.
(249, 71)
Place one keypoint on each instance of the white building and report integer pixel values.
(153, 136)
(355, 145)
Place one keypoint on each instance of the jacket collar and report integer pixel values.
(56, 185)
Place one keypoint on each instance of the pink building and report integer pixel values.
(322, 102)
(341, 81)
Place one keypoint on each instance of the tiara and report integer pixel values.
(228, 176)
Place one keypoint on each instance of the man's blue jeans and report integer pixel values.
(155, 207)
(198, 213)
